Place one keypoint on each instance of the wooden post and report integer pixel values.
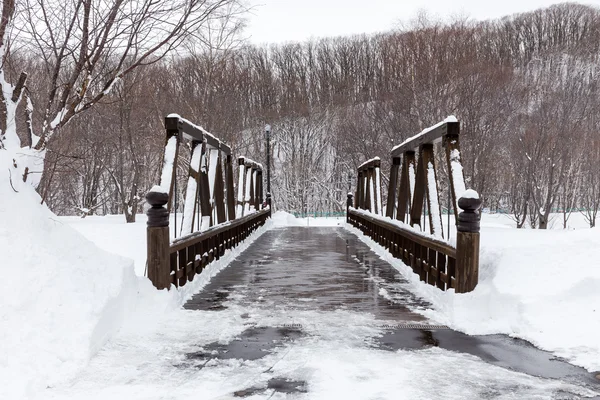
(416, 210)
(455, 172)
(259, 190)
(229, 188)
(204, 189)
(390, 210)
(405, 191)
(432, 190)
(240, 188)
(348, 205)
(359, 190)
(377, 186)
(219, 190)
(158, 241)
(368, 184)
(467, 243)
(172, 128)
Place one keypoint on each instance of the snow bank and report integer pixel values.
(541, 286)
(68, 297)
(61, 297)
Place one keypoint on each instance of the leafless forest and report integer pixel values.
(525, 89)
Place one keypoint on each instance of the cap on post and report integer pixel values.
(158, 216)
(469, 218)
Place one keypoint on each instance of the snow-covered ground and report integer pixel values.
(63, 299)
(64, 296)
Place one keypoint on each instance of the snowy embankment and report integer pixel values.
(62, 297)
(541, 286)
(57, 292)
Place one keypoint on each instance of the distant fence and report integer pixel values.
(434, 259)
(213, 220)
(319, 214)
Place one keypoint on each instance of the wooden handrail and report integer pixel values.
(429, 242)
(193, 238)
(413, 185)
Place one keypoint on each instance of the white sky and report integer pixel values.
(297, 20)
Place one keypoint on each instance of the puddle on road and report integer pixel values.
(252, 344)
(501, 350)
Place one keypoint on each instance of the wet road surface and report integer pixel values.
(327, 270)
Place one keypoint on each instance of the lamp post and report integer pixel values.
(268, 136)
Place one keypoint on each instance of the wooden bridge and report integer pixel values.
(297, 292)
(214, 219)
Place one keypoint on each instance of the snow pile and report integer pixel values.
(61, 297)
(541, 286)
(283, 219)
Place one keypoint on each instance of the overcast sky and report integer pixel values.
(297, 20)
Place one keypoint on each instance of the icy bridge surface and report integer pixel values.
(314, 314)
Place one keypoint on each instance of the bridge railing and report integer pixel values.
(433, 258)
(210, 223)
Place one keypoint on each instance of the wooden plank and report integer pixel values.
(173, 264)
(367, 188)
(432, 191)
(441, 266)
(417, 202)
(443, 278)
(404, 194)
(451, 270)
(467, 261)
(159, 269)
(181, 272)
(189, 268)
(252, 184)
(220, 191)
(204, 191)
(433, 136)
(229, 192)
(192, 203)
(432, 275)
(423, 255)
(195, 132)
(172, 133)
(457, 179)
(391, 199)
(259, 184)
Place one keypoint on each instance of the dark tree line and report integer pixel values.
(524, 87)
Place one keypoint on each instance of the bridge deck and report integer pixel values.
(304, 313)
(329, 270)
(306, 269)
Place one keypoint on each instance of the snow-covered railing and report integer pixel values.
(436, 261)
(176, 263)
(418, 178)
(417, 190)
(209, 199)
(368, 196)
(209, 203)
(250, 179)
